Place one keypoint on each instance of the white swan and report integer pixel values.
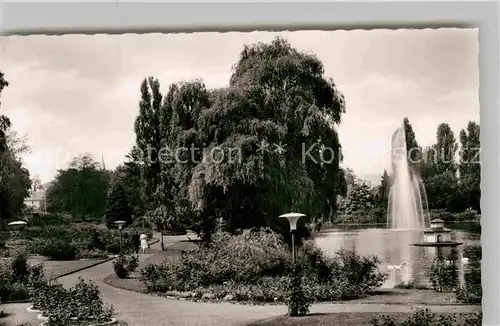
(393, 267)
(465, 260)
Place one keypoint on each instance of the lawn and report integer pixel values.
(132, 283)
(54, 269)
(344, 319)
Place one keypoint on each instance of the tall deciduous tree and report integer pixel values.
(181, 112)
(221, 167)
(446, 147)
(383, 190)
(129, 174)
(80, 190)
(469, 167)
(359, 199)
(439, 170)
(414, 151)
(117, 206)
(277, 96)
(470, 149)
(4, 121)
(148, 134)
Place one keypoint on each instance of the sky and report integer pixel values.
(72, 94)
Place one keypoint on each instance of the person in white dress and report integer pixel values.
(144, 242)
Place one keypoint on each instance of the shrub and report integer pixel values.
(54, 248)
(405, 285)
(297, 301)
(62, 306)
(124, 265)
(442, 214)
(259, 261)
(47, 296)
(10, 291)
(4, 236)
(443, 276)
(468, 215)
(96, 241)
(19, 268)
(15, 279)
(474, 253)
(421, 317)
(475, 320)
(471, 291)
(49, 219)
(86, 240)
(359, 274)
(86, 303)
(243, 258)
(156, 277)
(132, 263)
(119, 266)
(36, 281)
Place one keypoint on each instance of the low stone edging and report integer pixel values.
(31, 309)
(113, 321)
(16, 301)
(207, 298)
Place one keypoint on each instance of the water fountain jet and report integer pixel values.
(407, 207)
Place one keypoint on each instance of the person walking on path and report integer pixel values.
(144, 243)
(136, 241)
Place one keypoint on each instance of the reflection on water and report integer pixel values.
(404, 262)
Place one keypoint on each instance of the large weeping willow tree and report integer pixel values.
(276, 96)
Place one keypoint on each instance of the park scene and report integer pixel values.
(295, 178)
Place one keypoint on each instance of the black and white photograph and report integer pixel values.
(265, 178)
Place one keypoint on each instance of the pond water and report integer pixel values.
(393, 248)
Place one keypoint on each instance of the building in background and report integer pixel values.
(35, 202)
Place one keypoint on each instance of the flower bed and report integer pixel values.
(80, 305)
(256, 266)
(444, 276)
(16, 275)
(78, 241)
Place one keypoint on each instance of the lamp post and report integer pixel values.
(292, 219)
(120, 227)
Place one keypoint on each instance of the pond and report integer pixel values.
(394, 249)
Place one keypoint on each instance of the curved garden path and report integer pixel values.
(139, 309)
(142, 309)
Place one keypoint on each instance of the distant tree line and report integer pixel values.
(450, 170)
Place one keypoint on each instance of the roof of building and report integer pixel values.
(437, 230)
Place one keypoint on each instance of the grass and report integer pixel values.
(55, 269)
(409, 296)
(344, 319)
(132, 283)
